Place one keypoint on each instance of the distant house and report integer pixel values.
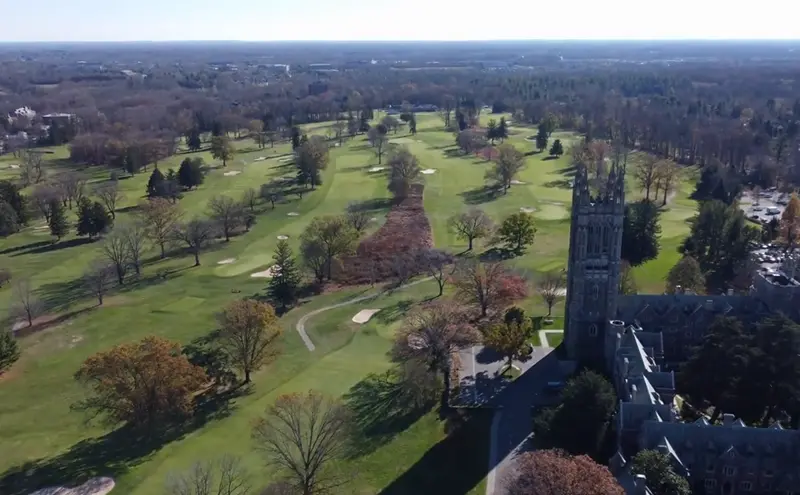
(23, 112)
(57, 118)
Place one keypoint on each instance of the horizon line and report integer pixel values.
(454, 41)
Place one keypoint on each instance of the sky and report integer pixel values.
(270, 20)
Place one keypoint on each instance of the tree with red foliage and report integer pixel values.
(488, 285)
(553, 472)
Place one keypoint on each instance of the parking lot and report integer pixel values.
(764, 207)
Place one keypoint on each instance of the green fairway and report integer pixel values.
(37, 425)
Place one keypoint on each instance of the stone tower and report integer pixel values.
(595, 243)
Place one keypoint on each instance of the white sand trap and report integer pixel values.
(18, 325)
(337, 145)
(376, 169)
(260, 159)
(285, 159)
(293, 214)
(232, 172)
(14, 166)
(516, 182)
(226, 261)
(364, 315)
(526, 209)
(95, 486)
(268, 273)
(373, 219)
(429, 171)
(283, 237)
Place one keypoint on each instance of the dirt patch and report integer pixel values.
(226, 261)
(95, 486)
(232, 173)
(364, 315)
(405, 231)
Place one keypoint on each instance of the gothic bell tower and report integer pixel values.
(595, 243)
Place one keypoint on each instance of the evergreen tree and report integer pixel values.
(193, 141)
(93, 219)
(154, 184)
(364, 125)
(412, 124)
(557, 149)
(9, 223)
(9, 350)
(59, 227)
(10, 193)
(285, 280)
(640, 232)
(502, 129)
(657, 469)
(190, 173)
(541, 139)
(491, 130)
(295, 138)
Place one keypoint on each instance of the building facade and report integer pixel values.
(641, 339)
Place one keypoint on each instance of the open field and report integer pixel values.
(36, 424)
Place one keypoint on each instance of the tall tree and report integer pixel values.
(159, 217)
(661, 477)
(303, 435)
(196, 234)
(10, 194)
(163, 390)
(686, 275)
(551, 286)
(93, 219)
(508, 163)
(541, 140)
(109, 195)
(57, 221)
(249, 331)
(193, 141)
(646, 173)
(517, 231)
(334, 235)
(404, 171)
(155, 184)
(790, 222)
(435, 263)
(641, 232)
(222, 149)
(509, 338)
(190, 173)
(487, 285)
(357, 218)
(432, 335)
(9, 351)
(552, 472)
(311, 158)
(379, 140)
(227, 213)
(470, 225)
(97, 277)
(224, 476)
(135, 234)
(491, 130)
(502, 129)
(285, 281)
(115, 249)
(24, 302)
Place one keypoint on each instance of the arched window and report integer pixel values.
(593, 330)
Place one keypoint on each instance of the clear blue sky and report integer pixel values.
(257, 20)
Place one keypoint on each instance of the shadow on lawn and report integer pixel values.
(112, 454)
(382, 410)
(55, 246)
(456, 464)
(480, 195)
(394, 312)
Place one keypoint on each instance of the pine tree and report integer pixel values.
(190, 173)
(193, 141)
(9, 350)
(412, 124)
(557, 149)
(285, 276)
(154, 188)
(93, 219)
(502, 129)
(59, 227)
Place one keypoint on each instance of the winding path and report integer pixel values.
(301, 323)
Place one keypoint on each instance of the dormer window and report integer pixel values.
(746, 486)
(729, 471)
(593, 328)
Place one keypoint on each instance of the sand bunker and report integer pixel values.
(526, 209)
(268, 273)
(285, 159)
(260, 158)
(283, 237)
(293, 214)
(516, 182)
(95, 486)
(376, 169)
(232, 172)
(364, 315)
(19, 325)
(429, 171)
(226, 261)
(14, 166)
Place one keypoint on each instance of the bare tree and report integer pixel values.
(338, 129)
(668, 172)
(227, 213)
(646, 173)
(508, 164)
(226, 476)
(42, 197)
(115, 249)
(25, 303)
(72, 186)
(271, 192)
(404, 171)
(472, 224)
(435, 262)
(302, 435)
(250, 199)
(379, 140)
(487, 285)
(31, 167)
(432, 335)
(550, 287)
(97, 277)
(196, 234)
(160, 216)
(357, 218)
(403, 266)
(109, 195)
(135, 235)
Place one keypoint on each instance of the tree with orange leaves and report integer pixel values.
(790, 221)
(552, 472)
(250, 332)
(487, 285)
(144, 384)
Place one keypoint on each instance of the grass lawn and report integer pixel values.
(37, 426)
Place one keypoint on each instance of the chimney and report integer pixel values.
(640, 484)
(709, 304)
(625, 364)
(678, 289)
(730, 292)
(634, 392)
(727, 419)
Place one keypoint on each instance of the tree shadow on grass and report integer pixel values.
(480, 195)
(456, 464)
(394, 312)
(59, 296)
(381, 411)
(372, 205)
(113, 454)
(32, 245)
(55, 246)
(560, 184)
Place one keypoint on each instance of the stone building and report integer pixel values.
(641, 340)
